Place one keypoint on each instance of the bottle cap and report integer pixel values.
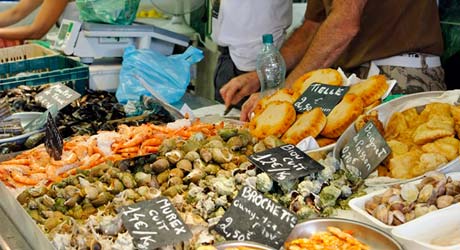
(267, 38)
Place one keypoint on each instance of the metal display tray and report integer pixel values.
(23, 223)
(385, 111)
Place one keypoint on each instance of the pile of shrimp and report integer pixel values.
(35, 166)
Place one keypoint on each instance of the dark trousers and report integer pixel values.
(225, 71)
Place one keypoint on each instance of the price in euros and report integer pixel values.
(234, 234)
(301, 106)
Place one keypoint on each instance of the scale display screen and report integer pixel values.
(63, 31)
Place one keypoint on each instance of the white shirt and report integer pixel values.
(241, 23)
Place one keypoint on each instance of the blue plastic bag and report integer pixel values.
(169, 76)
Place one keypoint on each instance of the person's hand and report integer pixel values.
(249, 106)
(239, 87)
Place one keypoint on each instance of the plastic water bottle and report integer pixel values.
(270, 66)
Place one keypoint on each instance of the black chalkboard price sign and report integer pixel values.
(320, 95)
(58, 94)
(366, 150)
(286, 162)
(53, 139)
(154, 223)
(253, 217)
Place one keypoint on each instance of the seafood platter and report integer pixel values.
(110, 163)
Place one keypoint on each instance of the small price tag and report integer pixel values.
(58, 94)
(253, 217)
(286, 162)
(366, 150)
(154, 223)
(53, 139)
(320, 95)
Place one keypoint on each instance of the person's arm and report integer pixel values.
(45, 19)
(18, 12)
(292, 51)
(331, 39)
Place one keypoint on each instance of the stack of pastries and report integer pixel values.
(276, 115)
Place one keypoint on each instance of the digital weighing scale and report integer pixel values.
(94, 40)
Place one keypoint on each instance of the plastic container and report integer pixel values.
(422, 234)
(270, 66)
(24, 52)
(44, 70)
(357, 205)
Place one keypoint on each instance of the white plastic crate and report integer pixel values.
(24, 52)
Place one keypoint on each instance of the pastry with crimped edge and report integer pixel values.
(274, 119)
(342, 116)
(284, 95)
(371, 89)
(326, 76)
(307, 124)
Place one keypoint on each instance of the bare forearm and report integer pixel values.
(333, 37)
(297, 44)
(19, 33)
(9, 17)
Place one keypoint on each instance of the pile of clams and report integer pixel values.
(402, 203)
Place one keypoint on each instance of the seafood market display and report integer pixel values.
(334, 238)
(84, 152)
(421, 141)
(402, 203)
(201, 175)
(96, 110)
(276, 114)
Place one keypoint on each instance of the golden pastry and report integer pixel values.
(274, 119)
(284, 95)
(371, 89)
(307, 124)
(342, 116)
(447, 146)
(326, 76)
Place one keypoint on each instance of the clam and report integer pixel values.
(453, 188)
(37, 191)
(90, 192)
(163, 177)
(426, 193)
(185, 165)
(176, 172)
(142, 179)
(214, 143)
(160, 165)
(237, 142)
(198, 163)
(102, 199)
(211, 169)
(432, 208)
(190, 146)
(397, 206)
(206, 154)
(47, 201)
(175, 180)
(398, 216)
(410, 216)
(272, 141)
(195, 175)
(409, 192)
(116, 186)
(127, 179)
(421, 209)
(24, 197)
(259, 147)
(227, 133)
(192, 155)
(72, 201)
(381, 213)
(221, 155)
(444, 201)
(174, 156)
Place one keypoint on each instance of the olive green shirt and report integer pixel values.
(388, 28)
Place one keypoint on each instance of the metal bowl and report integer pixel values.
(250, 244)
(375, 238)
(385, 111)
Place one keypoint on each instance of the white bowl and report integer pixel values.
(420, 233)
(357, 204)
